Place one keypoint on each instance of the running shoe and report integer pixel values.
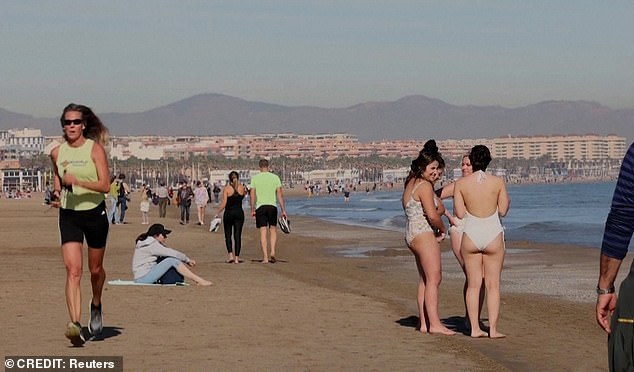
(96, 320)
(75, 334)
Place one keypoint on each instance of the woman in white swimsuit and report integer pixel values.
(455, 232)
(422, 221)
(480, 199)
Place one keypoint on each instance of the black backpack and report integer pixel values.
(121, 193)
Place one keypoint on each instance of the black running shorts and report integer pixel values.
(266, 215)
(92, 224)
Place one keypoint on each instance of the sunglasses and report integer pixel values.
(75, 122)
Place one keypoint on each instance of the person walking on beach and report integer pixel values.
(265, 187)
(113, 215)
(149, 246)
(480, 199)
(233, 218)
(423, 232)
(144, 206)
(617, 235)
(163, 195)
(200, 199)
(81, 179)
(184, 198)
(122, 197)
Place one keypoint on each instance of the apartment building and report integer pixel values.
(560, 147)
(331, 146)
(17, 143)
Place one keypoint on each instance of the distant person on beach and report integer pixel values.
(264, 189)
(455, 233)
(144, 206)
(163, 195)
(111, 197)
(149, 246)
(122, 197)
(233, 218)
(200, 199)
(81, 179)
(479, 200)
(184, 198)
(619, 228)
(423, 232)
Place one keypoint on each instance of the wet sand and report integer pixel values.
(339, 298)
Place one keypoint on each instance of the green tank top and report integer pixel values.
(78, 161)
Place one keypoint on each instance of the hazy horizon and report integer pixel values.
(128, 57)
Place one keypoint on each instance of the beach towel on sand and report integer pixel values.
(132, 282)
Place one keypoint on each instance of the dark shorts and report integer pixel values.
(92, 224)
(266, 215)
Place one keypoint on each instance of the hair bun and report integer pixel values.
(430, 147)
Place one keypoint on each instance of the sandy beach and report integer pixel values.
(339, 298)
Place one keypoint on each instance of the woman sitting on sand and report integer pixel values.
(423, 233)
(480, 199)
(151, 245)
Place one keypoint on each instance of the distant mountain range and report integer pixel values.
(414, 116)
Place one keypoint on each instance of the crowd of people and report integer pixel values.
(90, 201)
(82, 185)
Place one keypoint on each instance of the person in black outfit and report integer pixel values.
(233, 218)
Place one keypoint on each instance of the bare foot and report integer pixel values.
(441, 331)
(496, 335)
(479, 333)
(421, 328)
(204, 283)
(265, 261)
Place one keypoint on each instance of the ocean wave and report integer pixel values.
(381, 200)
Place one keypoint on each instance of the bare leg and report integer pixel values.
(456, 240)
(263, 244)
(73, 260)
(201, 215)
(97, 273)
(273, 235)
(420, 295)
(187, 273)
(473, 267)
(493, 260)
(429, 250)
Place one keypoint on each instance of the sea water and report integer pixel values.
(542, 213)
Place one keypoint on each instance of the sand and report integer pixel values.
(339, 298)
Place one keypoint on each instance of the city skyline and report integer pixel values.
(131, 57)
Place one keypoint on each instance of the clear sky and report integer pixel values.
(135, 55)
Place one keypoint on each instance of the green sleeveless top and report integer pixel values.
(78, 161)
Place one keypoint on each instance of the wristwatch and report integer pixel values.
(603, 291)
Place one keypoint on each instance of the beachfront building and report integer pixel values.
(559, 147)
(15, 180)
(21, 143)
(589, 147)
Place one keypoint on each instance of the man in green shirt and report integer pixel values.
(265, 188)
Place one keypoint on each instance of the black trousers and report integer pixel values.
(233, 220)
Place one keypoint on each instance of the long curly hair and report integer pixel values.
(426, 156)
(93, 127)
